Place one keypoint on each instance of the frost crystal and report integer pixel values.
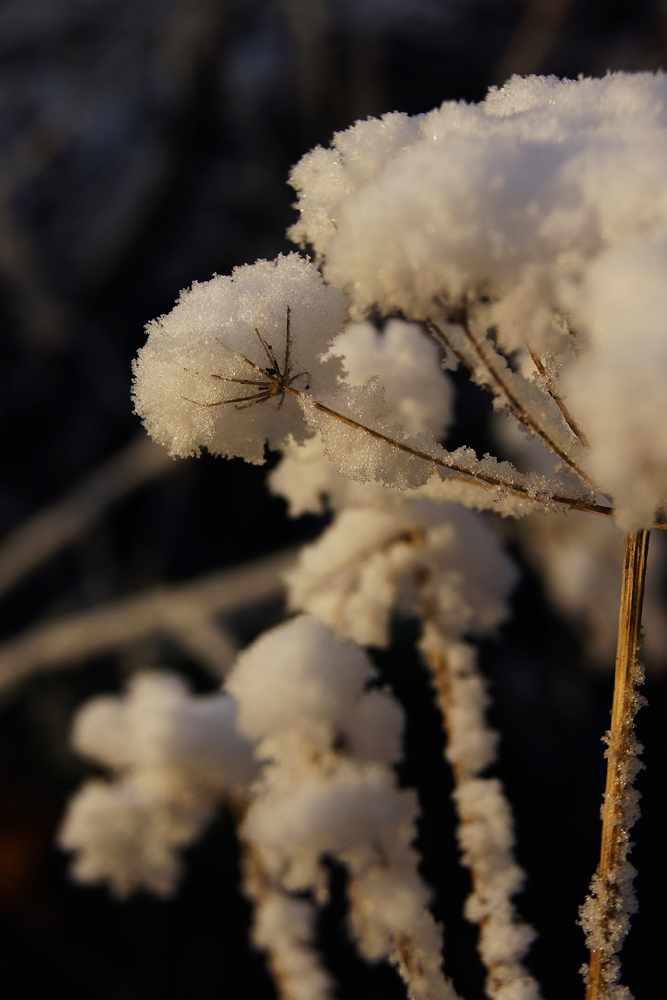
(405, 362)
(371, 560)
(618, 386)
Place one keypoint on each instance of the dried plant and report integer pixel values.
(513, 238)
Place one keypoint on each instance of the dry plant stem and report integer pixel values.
(567, 416)
(408, 960)
(460, 318)
(621, 741)
(538, 27)
(478, 478)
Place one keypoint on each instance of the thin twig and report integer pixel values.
(49, 531)
(284, 928)
(536, 32)
(477, 478)
(567, 416)
(460, 318)
(609, 898)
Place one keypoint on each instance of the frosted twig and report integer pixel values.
(605, 916)
(471, 475)
(187, 613)
(485, 832)
(327, 790)
(551, 389)
(51, 530)
(171, 757)
(284, 928)
(460, 317)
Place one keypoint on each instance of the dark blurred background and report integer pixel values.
(145, 144)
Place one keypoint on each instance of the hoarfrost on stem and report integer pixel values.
(326, 790)
(388, 551)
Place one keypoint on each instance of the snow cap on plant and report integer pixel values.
(534, 180)
(528, 214)
(375, 559)
(300, 682)
(213, 370)
(418, 395)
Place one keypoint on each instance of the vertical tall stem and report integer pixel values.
(610, 889)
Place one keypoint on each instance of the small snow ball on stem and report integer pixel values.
(231, 344)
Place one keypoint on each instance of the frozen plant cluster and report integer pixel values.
(388, 552)
(542, 214)
(173, 757)
(327, 790)
(525, 239)
(302, 749)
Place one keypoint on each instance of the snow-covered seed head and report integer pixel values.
(232, 345)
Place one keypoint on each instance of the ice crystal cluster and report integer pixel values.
(524, 238)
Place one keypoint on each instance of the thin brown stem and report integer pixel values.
(621, 754)
(288, 342)
(567, 416)
(460, 318)
(476, 478)
(258, 396)
(268, 350)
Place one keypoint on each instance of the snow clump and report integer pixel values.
(174, 757)
(206, 375)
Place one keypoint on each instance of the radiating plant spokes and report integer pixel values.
(275, 382)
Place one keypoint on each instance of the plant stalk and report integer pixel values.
(465, 475)
(622, 748)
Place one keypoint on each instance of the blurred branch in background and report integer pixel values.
(533, 38)
(41, 537)
(188, 614)
(40, 313)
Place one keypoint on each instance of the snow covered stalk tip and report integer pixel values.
(485, 831)
(605, 916)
